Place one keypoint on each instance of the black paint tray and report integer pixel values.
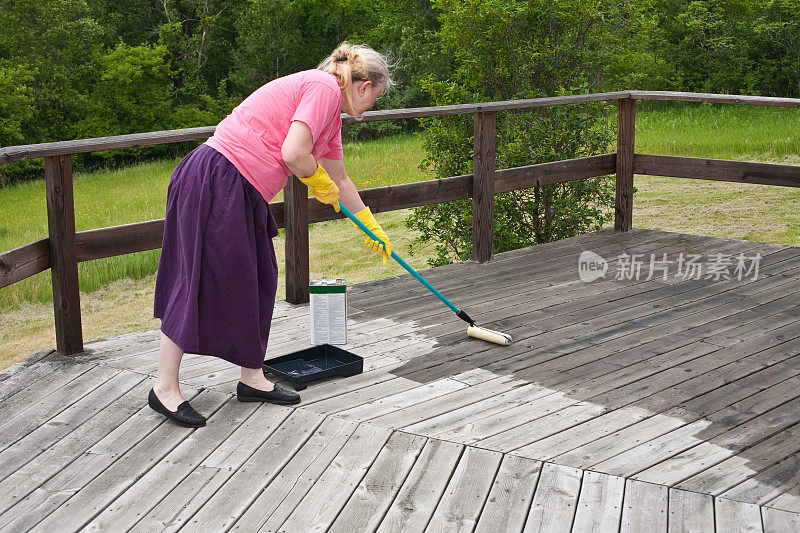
(313, 363)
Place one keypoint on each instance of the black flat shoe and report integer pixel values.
(279, 395)
(185, 415)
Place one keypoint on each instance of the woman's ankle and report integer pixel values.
(256, 379)
(169, 395)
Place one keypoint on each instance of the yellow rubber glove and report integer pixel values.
(325, 190)
(366, 218)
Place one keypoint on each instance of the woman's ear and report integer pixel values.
(364, 87)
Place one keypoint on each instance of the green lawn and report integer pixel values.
(730, 210)
(138, 193)
(718, 131)
(117, 292)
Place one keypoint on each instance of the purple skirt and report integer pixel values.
(217, 276)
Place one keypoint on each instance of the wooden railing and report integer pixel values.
(64, 248)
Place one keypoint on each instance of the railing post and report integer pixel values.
(626, 127)
(485, 128)
(63, 256)
(295, 197)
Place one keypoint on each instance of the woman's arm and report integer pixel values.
(349, 197)
(348, 194)
(296, 150)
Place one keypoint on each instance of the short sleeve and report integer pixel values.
(334, 149)
(318, 104)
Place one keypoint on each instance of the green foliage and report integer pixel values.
(408, 34)
(728, 46)
(707, 42)
(509, 50)
(278, 37)
(77, 69)
(207, 110)
(130, 94)
(60, 78)
(777, 49)
(198, 34)
(46, 48)
(17, 105)
(52, 42)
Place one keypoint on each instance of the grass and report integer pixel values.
(718, 131)
(117, 293)
(730, 210)
(138, 193)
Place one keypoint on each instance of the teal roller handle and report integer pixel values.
(402, 263)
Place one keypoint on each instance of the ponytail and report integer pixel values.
(350, 63)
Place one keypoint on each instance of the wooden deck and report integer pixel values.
(633, 405)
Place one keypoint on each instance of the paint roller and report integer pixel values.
(474, 331)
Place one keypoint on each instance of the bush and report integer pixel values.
(526, 217)
(507, 50)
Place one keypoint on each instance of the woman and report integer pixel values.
(217, 276)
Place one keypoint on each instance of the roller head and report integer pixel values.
(496, 337)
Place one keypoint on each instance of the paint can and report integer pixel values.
(328, 311)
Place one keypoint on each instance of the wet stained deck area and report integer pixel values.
(664, 394)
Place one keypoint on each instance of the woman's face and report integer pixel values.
(363, 95)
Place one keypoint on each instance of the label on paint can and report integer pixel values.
(328, 311)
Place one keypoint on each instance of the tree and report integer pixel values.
(408, 33)
(46, 54)
(131, 93)
(708, 45)
(199, 36)
(53, 42)
(17, 109)
(17, 105)
(777, 71)
(503, 50)
(278, 37)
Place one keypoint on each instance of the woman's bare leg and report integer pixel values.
(167, 387)
(254, 377)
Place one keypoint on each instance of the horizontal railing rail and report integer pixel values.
(64, 248)
(717, 170)
(9, 154)
(32, 258)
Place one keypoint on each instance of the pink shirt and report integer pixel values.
(252, 135)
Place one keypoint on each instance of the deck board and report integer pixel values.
(101, 490)
(29, 475)
(555, 499)
(690, 511)
(731, 515)
(623, 404)
(128, 508)
(468, 489)
(239, 492)
(59, 427)
(600, 503)
(422, 490)
(645, 507)
(364, 511)
(507, 504)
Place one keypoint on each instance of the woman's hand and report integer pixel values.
(325, 190)
(348, 195)
(385, 249)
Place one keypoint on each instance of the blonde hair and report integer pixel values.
(350, 63)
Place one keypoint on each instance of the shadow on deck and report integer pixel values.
(636, 404)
